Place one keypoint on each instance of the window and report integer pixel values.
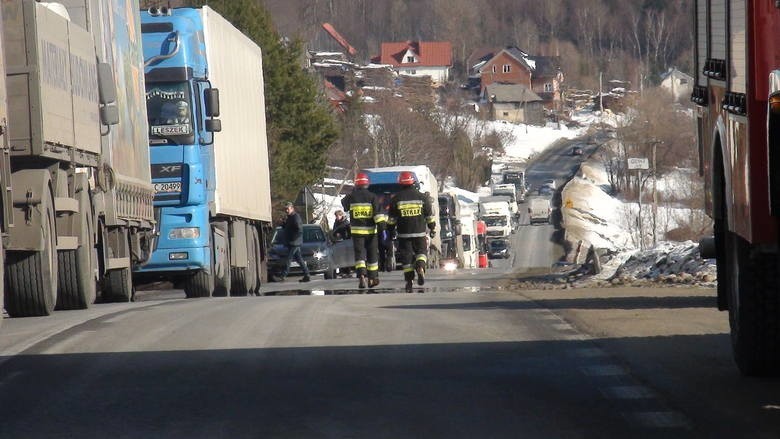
(506, 113)
(410, 58)
(683, 81)
(507, 68)
(548, 87)
(494, 68)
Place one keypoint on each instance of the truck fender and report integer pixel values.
(719, 133)
(30, 186)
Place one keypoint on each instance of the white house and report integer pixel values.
(679, 84)
(418, 58)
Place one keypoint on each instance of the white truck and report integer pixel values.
(496, 214)
(469, 236)
(539, 210)
(507, 190)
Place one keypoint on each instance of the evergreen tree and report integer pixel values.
(300, 125)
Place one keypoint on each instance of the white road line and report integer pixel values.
(659, 419)
(628, 392)
(563, 327)
(604, 370)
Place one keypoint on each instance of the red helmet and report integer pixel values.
(406, 178)
(361, 179)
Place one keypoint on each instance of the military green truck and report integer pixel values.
(78, 205)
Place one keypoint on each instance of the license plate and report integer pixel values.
(168, 187)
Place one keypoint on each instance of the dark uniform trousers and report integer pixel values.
(366, 254)
(412, 251)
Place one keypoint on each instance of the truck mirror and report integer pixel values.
(211, 98)
(109, 115)
(106, 84)
(213, 125)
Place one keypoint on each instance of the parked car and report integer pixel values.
(498, 248)
(577, 150)
(322, 255)
(545, 191)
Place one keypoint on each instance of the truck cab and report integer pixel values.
(498, 218)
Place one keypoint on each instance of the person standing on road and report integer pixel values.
(341, 227)
(368, 223)
(411, 217)
(292, 228)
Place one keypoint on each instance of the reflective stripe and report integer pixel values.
(391, 221)
(373, 266)
(360, 264)
(412, 235)
(380, 217)
(422, 258)
(431, 219)
(408, 269)
(363, 230)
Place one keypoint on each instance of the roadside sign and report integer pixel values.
(638, 163)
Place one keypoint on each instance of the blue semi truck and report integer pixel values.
(209, 153)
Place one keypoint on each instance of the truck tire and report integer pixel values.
(259, 266)
(77, 283)
(244, 278)
(222, 284)
(118, 286)
(754, 308)
(202, 283)
(31, 276)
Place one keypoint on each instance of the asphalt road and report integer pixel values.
(466, 356)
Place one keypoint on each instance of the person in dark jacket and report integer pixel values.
(367, 221)
(411, 217)
(341, 226)
(292, 228)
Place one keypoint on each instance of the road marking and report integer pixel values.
(589, 352)
(604, 370)
(659, 419)
(628, 392)
(563, 327)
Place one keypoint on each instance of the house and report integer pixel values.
(679, 84)
(510, 65)
(513, 103)
(418, 58)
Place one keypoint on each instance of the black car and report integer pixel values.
(320, 253)
(498, 248)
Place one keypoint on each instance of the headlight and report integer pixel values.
(450, 266)
(185, 233)
(320, 254)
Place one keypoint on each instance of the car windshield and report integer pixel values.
(169, 111)
(497, 245)
(310, 234)
(495, 221)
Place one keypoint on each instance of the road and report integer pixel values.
(467, 355)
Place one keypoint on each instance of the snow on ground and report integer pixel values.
(524, 141)
(606, 223)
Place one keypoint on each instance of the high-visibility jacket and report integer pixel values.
(411, 212)
(364, 211)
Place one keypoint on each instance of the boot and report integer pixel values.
(420, 269)
(408, 285)
(305, 278)
(362, 281)
(373, 282)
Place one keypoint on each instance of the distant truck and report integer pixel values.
(539, 210)
(495, 212)
(77, 195)
(384, 183)
(517, 178)
(211, 176)
(449, 218)
(468, 230)
(507, 190)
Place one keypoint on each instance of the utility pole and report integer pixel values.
(655, 193)
(601, 94)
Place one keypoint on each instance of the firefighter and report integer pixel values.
(411, 220)
(367, 223)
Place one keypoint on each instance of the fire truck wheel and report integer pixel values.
(753, 308)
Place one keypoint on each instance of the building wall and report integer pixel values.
(517, 74)
(438, 75)
(531, 112)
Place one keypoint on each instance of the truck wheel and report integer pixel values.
(255, 237)
(244, 278)
(118, 285)
(753, 308)
(202, 283)
(330, 273)
(222, 279)
(77, 283)
(32, 276)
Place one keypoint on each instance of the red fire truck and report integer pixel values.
(737, 97)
